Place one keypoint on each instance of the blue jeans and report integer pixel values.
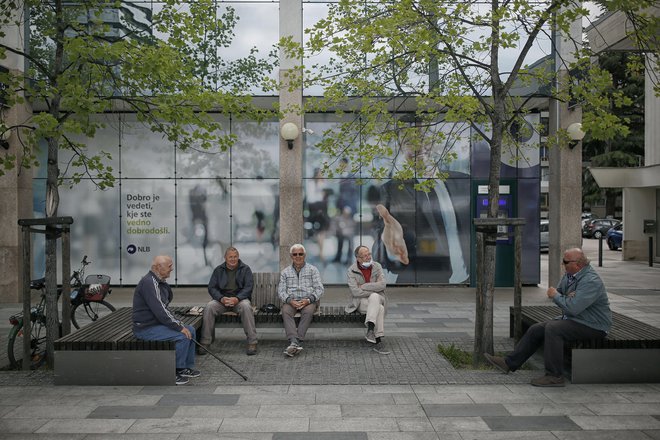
(185, 348)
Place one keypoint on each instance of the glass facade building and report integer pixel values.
(194, 204)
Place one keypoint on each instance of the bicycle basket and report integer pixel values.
(97, 287)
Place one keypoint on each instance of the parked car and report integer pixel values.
(598, 227)
(615, 237)
(544, 243)
(586, 216)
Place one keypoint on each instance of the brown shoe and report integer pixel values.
(548, 381)
(251, 349)
(498, 362)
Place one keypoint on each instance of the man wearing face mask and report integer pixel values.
(366, 282)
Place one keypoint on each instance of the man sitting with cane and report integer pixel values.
(153, 321)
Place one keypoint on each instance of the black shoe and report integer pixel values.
(180, 380)
(371, 337)
(188, 372)
(380, 348)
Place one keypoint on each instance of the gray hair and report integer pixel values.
(297, 246)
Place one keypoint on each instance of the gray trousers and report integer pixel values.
(550, 334)
(215, 308)
(288, 316)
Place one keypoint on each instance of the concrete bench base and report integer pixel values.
(115, 367)
(621, 365)
(629, 354)
(105, 352)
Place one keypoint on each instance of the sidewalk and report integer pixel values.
(337, 388)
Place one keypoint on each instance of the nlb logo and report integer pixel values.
(131, 249)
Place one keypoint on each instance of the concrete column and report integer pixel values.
(565, 167)
(15, 185)
(651, 113)
(291, 193)
(638, 204)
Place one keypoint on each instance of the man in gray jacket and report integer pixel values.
(366, 282)
(586, 315)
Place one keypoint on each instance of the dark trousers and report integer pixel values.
(550, 334)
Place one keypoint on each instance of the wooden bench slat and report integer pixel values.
(115, 332)
(264, 292)
(626, 332)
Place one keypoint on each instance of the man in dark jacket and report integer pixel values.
(153, 321)
(230, 288)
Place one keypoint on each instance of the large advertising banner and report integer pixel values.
(194, 204)
(147, 227)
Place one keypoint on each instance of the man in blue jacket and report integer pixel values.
(586, 315)
(153, 321)
(230, 288)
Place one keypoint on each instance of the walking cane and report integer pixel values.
(226, 364)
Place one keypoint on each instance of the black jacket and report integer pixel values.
(244, 281)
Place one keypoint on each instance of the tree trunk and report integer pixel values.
(483, 336)
(479, 310)
(52, 202)
(610, 202)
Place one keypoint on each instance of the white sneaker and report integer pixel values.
(293, 349)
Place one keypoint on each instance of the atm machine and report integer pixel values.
(504, 265)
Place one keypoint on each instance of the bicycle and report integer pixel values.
(87, 305)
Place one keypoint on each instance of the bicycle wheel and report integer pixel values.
(88, 312)
(38, 346)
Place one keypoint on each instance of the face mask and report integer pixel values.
(367, 263)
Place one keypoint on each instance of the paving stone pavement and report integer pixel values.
(340, 389)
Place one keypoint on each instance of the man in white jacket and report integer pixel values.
(366, 282)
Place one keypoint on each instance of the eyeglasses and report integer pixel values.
(568, 261)
(297, 254)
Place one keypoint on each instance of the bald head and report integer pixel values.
(574, 260)
(162, 266)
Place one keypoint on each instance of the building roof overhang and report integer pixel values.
(612, 31)
(638, 177)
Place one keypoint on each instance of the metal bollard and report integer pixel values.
(600, 251)
(650, 251)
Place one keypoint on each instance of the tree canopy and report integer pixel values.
(93, 56)
(470, 61)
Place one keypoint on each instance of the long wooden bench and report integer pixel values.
(264, 292)
(629, 353)
(105, 352)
